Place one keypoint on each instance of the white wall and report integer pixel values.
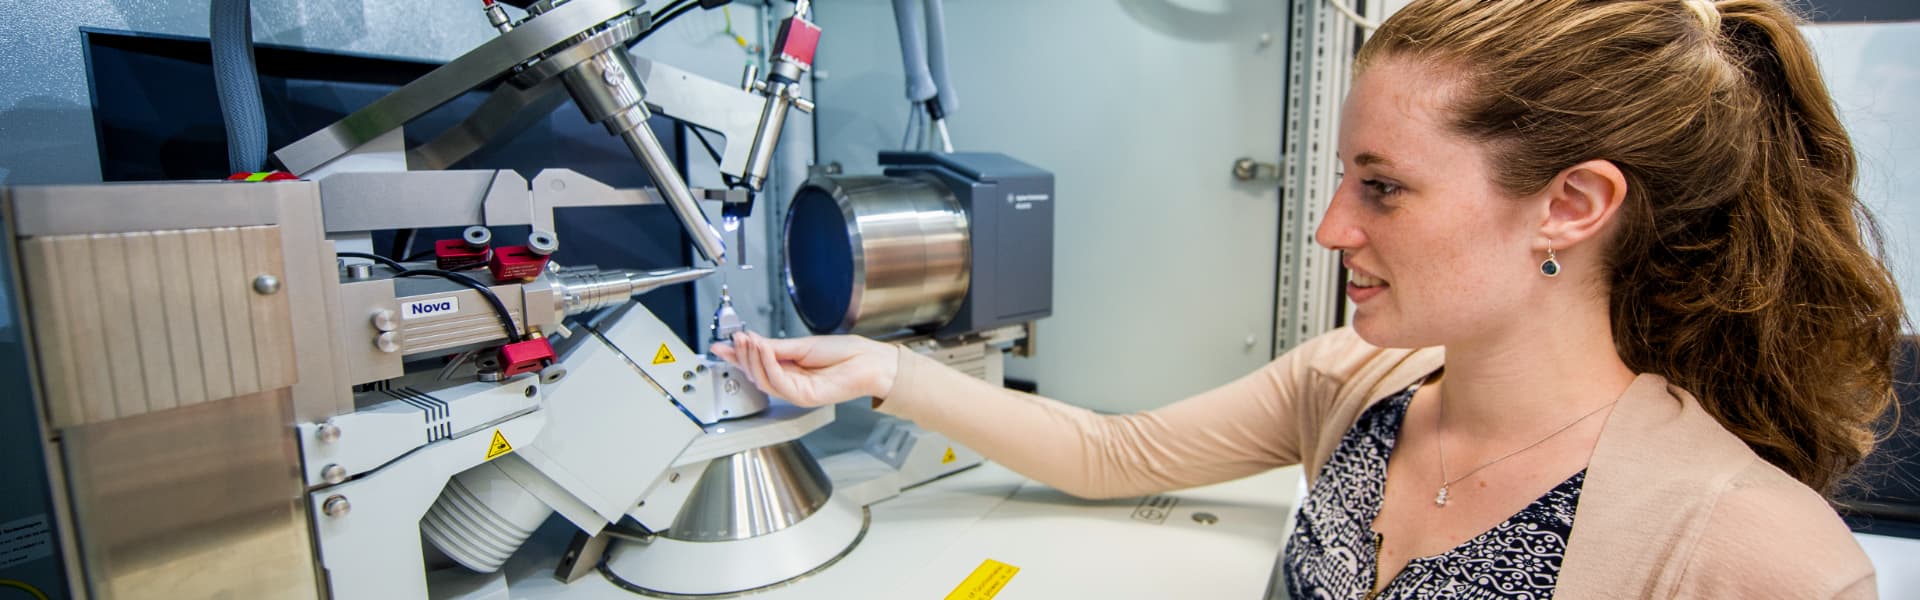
(1163, 265)
(1873, 73)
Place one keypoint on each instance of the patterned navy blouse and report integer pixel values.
(1332, 552)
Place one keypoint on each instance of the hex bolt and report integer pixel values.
(543, 243)
(266, 285)
(333, 474)
(327, 432)
(336, 506)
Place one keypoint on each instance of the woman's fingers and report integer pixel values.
(780, 380)
(756, 361)
(725, 351)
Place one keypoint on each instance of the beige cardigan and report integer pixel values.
(1674, 506)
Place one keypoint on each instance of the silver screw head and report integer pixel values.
(333, 474)
(266, 285)
(336, 506)
(1205, 518)
(388, 342)
(328, 432)
(731, 387)
(385, 320)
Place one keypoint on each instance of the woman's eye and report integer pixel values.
(1380, 188)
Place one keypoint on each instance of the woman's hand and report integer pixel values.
(814, 371)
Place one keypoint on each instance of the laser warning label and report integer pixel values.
(499, 446)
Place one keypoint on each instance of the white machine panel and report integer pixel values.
(607, 420)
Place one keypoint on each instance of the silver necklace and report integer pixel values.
(1441, 497)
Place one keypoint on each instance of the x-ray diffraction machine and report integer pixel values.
(240, 399)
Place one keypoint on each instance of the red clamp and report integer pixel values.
(455, 255)
(525, 356)
(263, 176)
(516, 263)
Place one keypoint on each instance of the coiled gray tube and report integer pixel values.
(230, 31)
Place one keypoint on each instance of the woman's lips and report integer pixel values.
(1362, 287)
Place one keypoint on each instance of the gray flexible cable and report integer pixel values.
(908, 17)
(937, 56)
(230, 31)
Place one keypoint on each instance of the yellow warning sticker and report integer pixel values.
(499, 446)
(664, 356)
(949, 457)
(986, 581)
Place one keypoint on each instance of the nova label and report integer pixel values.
(431, 307)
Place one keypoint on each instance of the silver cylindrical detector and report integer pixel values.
(873, 255)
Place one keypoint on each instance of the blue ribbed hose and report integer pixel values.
(230, 30)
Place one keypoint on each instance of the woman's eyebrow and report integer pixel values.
(1369, 158)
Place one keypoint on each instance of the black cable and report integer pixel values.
(390, 263)
(499, 308)
(667, 15)
(703, 141)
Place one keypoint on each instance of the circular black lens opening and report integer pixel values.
(819, 260)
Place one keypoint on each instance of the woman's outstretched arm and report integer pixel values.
(1232, 431)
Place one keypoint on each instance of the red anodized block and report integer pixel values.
(797, 41)
(525, 356)
(454, 255)
(516, 263)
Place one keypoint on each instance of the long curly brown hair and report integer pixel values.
(1744, 268)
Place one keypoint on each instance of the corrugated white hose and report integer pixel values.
(1353, 16)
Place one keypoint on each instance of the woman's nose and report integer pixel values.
(1337, 230)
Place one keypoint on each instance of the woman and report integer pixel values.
(1615, 326)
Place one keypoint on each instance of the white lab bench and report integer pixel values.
(925, 542)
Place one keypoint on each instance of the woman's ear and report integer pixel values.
(1581, 201)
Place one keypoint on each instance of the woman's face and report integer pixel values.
(1438, 255)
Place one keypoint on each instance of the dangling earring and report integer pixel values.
(1551, 267)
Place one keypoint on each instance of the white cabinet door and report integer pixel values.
(1164, 263)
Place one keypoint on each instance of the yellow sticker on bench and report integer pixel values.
(986, 581)
(499, 446)
(664, 356)
(949, 458)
